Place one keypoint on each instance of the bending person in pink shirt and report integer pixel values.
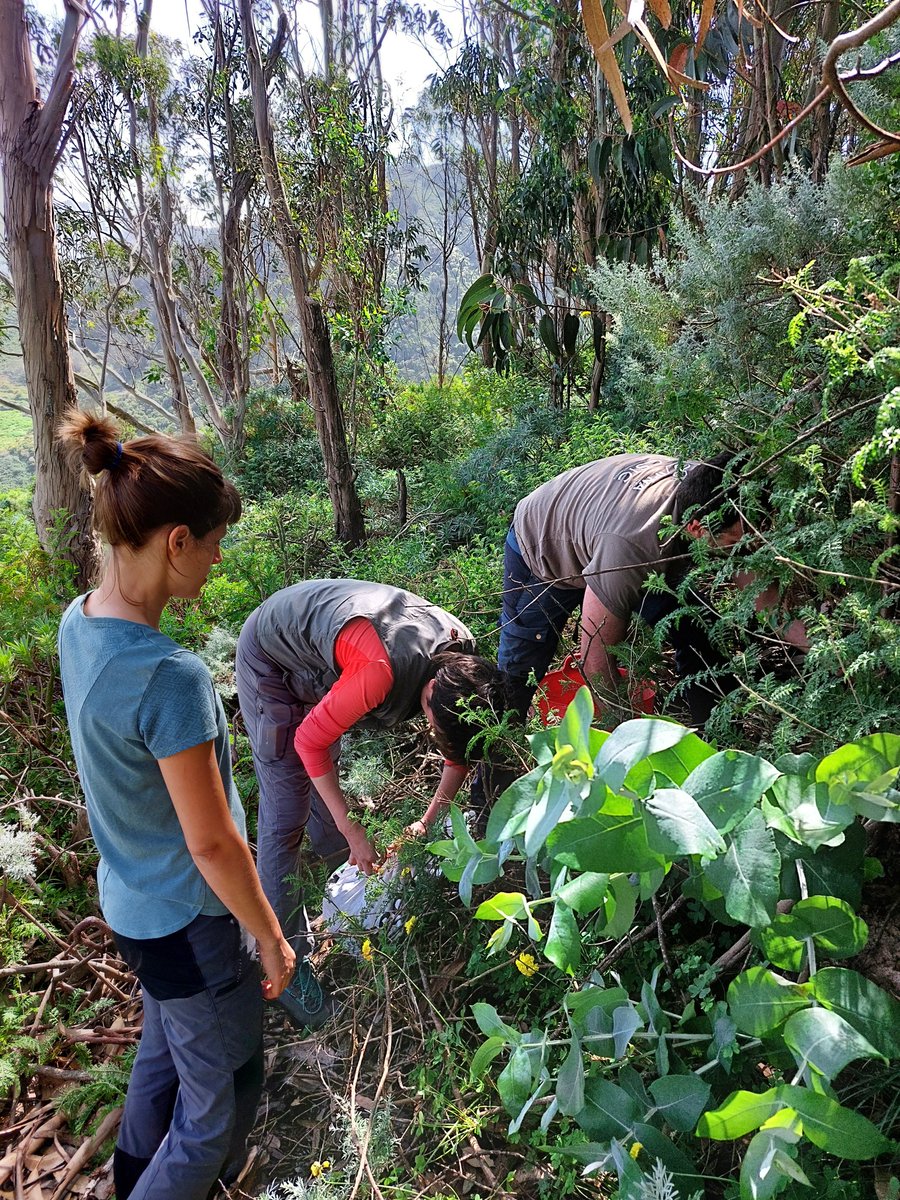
(313, 661)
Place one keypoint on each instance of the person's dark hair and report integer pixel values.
(463, 684)
(148, 482)
(708, 494)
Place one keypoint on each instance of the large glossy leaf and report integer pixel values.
(747, 874)
(831, 923)
(826, 1042)
(829, 871)
(570, 1081)
(575, 727)
(563, 945)
(514, 1081)
(864, 1005)
(546, 812)
(832, 1127)
(485, 1055)
(626, 1022)
(739, 1114)
(585, 893)
(759, 1000)
(677, 825)
(509, 814)
(767, 1165)
(502, 906)
(871, 760)
(604, 844)
(680, 1099)
(805, 812)
(489, 1022)
(609, 1111)
(728, 785)
(629, 743)
(674, 764)
(477, 294)
(624, 898)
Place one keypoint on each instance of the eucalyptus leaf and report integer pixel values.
(608, 1110)
(870, 1010)
(760, 1000)
(563, 945)
(680, 1099)
(826, 1042)
(570, 1081)
(629, 743)
(585, 893)
(832, 1127)
(747, 874)
(739, 1114)
(677, 825)
(730, 783)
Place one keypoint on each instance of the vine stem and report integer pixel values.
(804, 895)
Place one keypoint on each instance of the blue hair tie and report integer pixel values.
(115, 462)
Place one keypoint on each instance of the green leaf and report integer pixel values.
(626, 1022)
(825, 1041)
(509, 814)
(830, 922)
(585, 893)
(806, 813)
(489, 1022)
(514, 1081)
(502, 906)
(830, 870)
(680, 1099)
(677, 825)
(629, 743)
(605, 843)
(546, 812)
(832, 1127)
(747, 874)
(563, 945)
(871, 1011)
(485, 1055)
(624, 897)
(738, 1114)
(571, 325)
(570, 1081)
(547, 334)
(674, 764)
(833, 925)
(728, 785)
(767, 1166)
(475, 295)
(575, 727)
(609, 1111)
(760, 1000)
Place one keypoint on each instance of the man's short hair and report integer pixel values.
(707, 494)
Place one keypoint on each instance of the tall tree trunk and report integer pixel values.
(348, 516)
(30, 136)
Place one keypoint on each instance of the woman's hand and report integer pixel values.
(362, 853)
(417, 829)
(278, 961)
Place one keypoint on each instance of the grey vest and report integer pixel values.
(297, 628)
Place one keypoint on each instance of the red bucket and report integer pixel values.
(557, 691)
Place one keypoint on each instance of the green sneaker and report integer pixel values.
(304, 1000)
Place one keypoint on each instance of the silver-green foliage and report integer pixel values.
(606, 821)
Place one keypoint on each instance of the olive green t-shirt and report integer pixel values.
(597, 526)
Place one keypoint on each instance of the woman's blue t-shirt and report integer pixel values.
(134, 696)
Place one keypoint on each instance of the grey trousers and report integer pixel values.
(198, 1073)
(288, 801)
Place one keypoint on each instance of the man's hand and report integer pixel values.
(278, 961)
(362, 853)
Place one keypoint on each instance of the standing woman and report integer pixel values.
(314, 660)
(176, 878)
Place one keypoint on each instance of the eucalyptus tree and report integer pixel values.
(32, 133)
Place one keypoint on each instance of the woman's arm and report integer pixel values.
(223, 858)
(450, 782)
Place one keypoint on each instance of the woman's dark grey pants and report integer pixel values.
(288, 801)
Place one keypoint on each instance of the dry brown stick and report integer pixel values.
(33, 1118)
(86, 1151)
(364, 1148)
(630, 940)
(29, 1143)
(471, 1138)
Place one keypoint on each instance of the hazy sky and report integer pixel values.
(406, 62)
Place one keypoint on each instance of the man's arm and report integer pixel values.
(600, 629)
(794, 632)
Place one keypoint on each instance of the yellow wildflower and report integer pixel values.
(635, 1150)
(366, 950)
(409, 925)
(585, 312)
(319, 1168)
(527, 965)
